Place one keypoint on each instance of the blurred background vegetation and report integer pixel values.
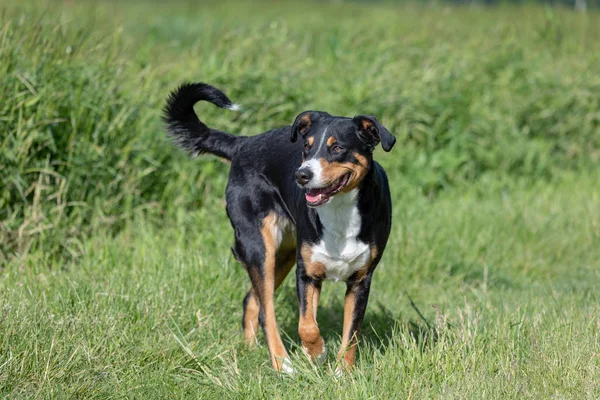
(499, 96)
(580, 5)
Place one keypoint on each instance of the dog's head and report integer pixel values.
(337, 152)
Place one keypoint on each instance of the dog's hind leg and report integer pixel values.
(256, 245)
(251, 308)
(285, 260)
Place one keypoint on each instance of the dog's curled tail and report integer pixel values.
(187, 131)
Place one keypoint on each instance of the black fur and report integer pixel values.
(188, 132)
(375, 133)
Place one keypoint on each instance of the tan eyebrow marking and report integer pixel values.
(331, 141)
(310, 140)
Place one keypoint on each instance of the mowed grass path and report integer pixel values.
(116, 278)
(507, 282)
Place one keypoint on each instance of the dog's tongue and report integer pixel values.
(317, 196)
(314, 196)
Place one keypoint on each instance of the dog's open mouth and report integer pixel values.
(318, 196)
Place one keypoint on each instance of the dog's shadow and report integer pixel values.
(380, 325)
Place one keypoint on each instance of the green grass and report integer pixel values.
(116, 279)
(507, 282)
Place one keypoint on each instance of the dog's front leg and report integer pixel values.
(355, 305)
(308, 286)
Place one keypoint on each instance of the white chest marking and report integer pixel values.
(339, 250)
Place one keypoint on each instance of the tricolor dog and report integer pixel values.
(309, 194)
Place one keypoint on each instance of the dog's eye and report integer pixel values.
(306, 147)
(337, 149)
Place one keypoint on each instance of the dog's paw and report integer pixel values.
(319, 358)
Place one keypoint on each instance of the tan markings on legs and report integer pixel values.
(251, 325)
(364, 270)
(312, 342)
(353, 321)
(349, 340)
(332, 171)
(276, 347)
(285, 260)
(309, 332)
(313, 269)
(315, 302)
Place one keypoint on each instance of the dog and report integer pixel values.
(321, 203)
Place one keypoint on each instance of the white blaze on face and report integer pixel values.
(314, 166)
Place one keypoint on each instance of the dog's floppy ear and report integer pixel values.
(372, 132)
(301, 125)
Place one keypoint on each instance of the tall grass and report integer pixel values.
(506, 286)
(499, 95)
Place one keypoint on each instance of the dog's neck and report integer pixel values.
(340, 216)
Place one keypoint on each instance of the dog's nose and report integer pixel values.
(303, 176)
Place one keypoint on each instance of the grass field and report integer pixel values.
(116, 279)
